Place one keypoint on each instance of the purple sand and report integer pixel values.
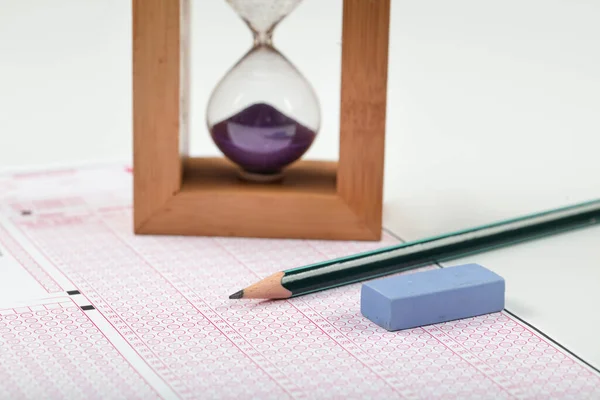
(262, 140)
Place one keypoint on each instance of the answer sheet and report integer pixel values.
(88, 311)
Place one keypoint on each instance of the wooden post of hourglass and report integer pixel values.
(177, 195)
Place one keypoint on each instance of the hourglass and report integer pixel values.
(263, 115)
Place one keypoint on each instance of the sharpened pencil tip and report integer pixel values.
(237, 295)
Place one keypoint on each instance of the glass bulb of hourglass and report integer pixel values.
(263, 115)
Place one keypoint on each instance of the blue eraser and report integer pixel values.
(433, 296)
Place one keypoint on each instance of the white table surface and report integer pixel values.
(493, 113)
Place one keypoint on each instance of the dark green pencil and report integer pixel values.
(342, 271)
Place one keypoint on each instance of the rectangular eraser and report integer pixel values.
(433, 296)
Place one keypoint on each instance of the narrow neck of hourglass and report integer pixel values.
(263, 38)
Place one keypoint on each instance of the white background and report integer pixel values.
(493, 112)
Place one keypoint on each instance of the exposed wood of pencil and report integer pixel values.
(268, 288)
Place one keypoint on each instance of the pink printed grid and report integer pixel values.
(28, 263)
(54, 351)
(167, 296)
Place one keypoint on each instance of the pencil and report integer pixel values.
(388, 260)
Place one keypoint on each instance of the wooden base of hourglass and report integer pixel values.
(175, 195)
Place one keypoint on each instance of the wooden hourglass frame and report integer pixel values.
(179, 195)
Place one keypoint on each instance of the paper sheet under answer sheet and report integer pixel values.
(88, 310)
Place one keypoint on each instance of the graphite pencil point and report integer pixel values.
(237, 295)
